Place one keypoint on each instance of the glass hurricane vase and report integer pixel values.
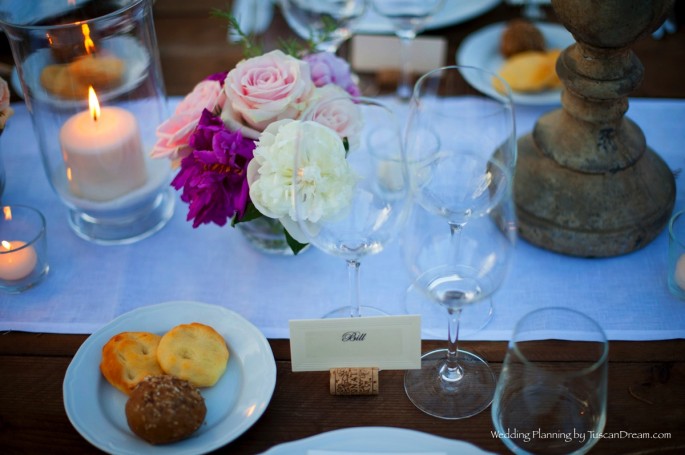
(92, 82)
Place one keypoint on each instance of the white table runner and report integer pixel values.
(88, 284)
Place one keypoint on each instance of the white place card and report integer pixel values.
(385, 342)
(379, 52)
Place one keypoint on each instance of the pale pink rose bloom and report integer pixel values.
(174, 133)
(333, 107)
(264, 89)
(205, 95)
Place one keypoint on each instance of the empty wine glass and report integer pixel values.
(353, 208)
(461, 235)
(545, 406)
(408, 18)
(327, 22)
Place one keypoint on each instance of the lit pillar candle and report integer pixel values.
(17, 260)
(103, 152)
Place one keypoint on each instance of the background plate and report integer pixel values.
(452, 12)
(481, 49)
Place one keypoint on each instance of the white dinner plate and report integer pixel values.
(96, 409)
(452, 12)
(368, 440)
(481, 49)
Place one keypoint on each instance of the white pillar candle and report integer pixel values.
(103, 153)
(16, 262)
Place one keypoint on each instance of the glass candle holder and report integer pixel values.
(23, 248)
(676, 255)
(92, 81)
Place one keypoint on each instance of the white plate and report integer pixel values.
(234, 403)
(136, 58)
(452, 12)
(481, 49)
(362, 440)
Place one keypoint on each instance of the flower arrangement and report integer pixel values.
(234, 138)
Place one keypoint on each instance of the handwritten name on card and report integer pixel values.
(385, 342)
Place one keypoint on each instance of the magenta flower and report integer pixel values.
(327, 68)
(213, 175)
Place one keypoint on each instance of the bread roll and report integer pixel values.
(521, 35)
(194, 352)
(164, 409)
(130, 357)
(530, 71)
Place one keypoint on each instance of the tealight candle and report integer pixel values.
(679, 273)
(103, 152)
(17, 260)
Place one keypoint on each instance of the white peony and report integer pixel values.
(325, 180)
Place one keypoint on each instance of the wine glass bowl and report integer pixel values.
(327, 22)
(376, 200)
(461, 234)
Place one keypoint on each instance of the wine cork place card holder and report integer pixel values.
(354, 350)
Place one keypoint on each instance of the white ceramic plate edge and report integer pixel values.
(452, 12)
(83, 379)
(379, 439)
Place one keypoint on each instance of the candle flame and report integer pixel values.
(93, 103)
(6, 245)
(69, 177)
(87, 41)
(8, 213)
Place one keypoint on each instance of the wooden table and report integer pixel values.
(646, 379)
(646, 395)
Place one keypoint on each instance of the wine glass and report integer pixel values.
(408, 18)
(543, 405)
(351, 209)
(327, 22)
(461, 235)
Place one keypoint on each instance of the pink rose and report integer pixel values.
(173, 134)
(333, 107)
(264, 89)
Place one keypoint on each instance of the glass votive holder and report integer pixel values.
(676, 255)
(92, 81)
(23, 248)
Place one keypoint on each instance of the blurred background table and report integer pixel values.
(646, 379)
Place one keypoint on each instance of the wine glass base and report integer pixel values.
(460, 399)
(473, 318)
(346, 312)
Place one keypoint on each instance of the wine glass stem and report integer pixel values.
(353, 278)
(455, 238)
(404, 88)
(451, 371)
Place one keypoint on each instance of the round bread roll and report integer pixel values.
(164, 409)
(530, 71)
(521, 35)
(128, 358)
(194, 352)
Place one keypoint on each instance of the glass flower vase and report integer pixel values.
(92, 82)
(266, 235)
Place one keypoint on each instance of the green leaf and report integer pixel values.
(250, 47)
(251, 213)
(292, 243)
